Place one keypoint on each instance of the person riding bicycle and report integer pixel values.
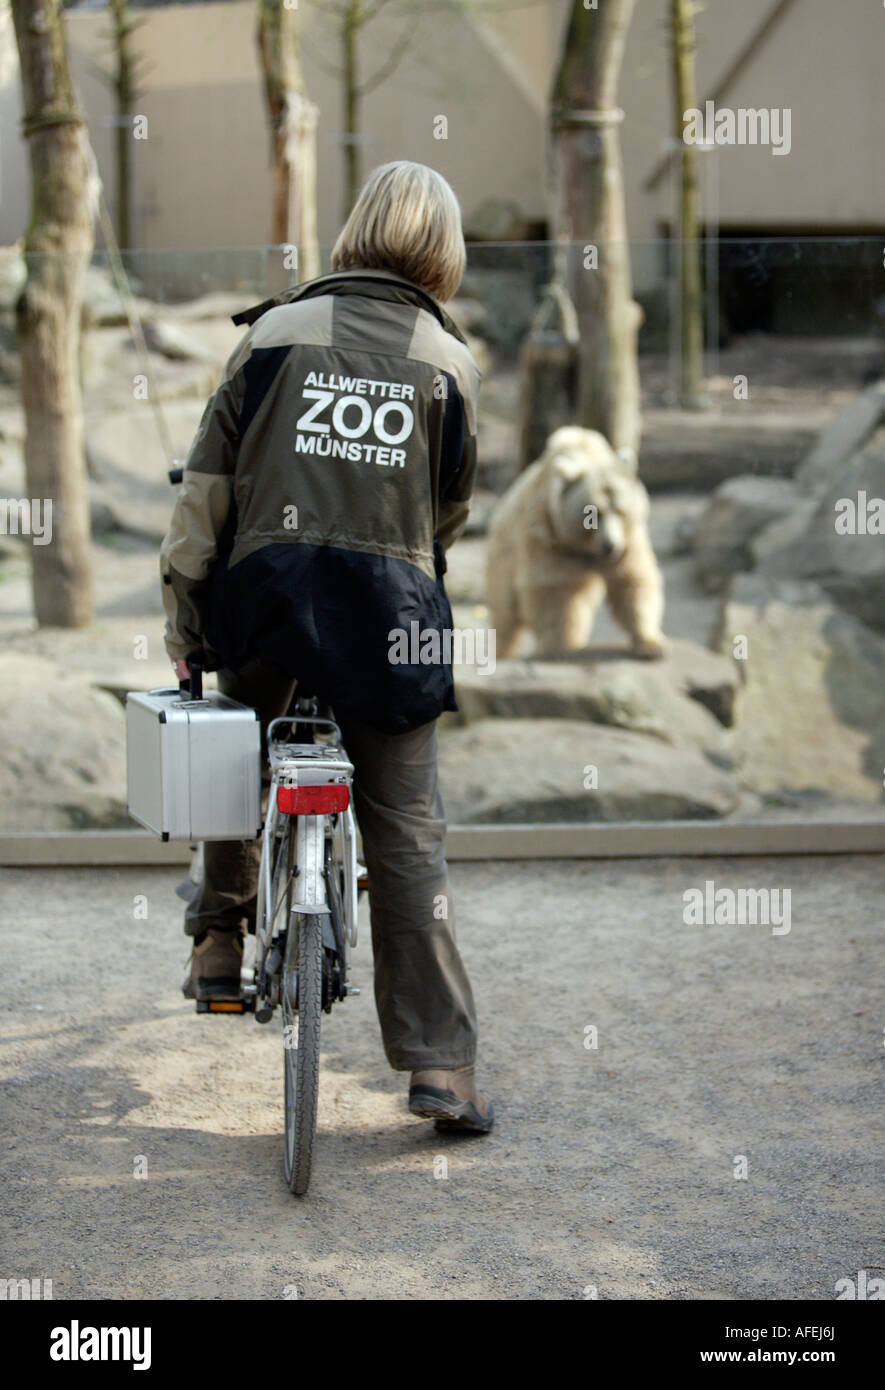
(332, 469)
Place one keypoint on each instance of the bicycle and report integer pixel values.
(306, 919)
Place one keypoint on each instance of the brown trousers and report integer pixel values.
(425, 1003)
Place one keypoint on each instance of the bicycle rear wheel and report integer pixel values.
(302, 1000)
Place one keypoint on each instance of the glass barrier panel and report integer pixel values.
(754, 516)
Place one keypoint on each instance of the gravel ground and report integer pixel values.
(610, 1169)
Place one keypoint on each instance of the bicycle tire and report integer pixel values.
(304, 954)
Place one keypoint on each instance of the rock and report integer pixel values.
(12, 467)
(738, 510)
(480, 354)
(173, 341)
(673, 522)
(112, 367)
(509, 301)
(841, 439)
(118, 654)
(103, 519)
(469, 314)
(684, 699)
(497, 219)
(698, 449)
(811, 709)
(703, 675)
(12, 424)
(807, 546)
(13, 274)
(128, 468)
(466, 573)
(625, 694)
(63, 763)
(217, 304)
(683, 537)
(513, 771)
(482, 504)
(783, 533)
(103, 305)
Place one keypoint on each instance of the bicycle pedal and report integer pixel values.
(221, 1006)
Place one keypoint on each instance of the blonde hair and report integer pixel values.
(406, 219)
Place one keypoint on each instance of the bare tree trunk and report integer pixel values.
(58, 246)
(293, 123)
(124, 87)
(589, 210)
(349, 38)
(691, 307)
(548, 373)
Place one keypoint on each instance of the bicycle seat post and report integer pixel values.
(305, 705)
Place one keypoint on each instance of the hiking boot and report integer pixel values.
(215, 966)
(450, 1098)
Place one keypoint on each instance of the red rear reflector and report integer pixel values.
(313, 801)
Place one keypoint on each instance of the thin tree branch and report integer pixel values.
(332, 70)
(396, 54)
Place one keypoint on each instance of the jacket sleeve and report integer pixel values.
(459, 463)
(190, 546)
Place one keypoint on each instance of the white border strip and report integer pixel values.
(638, 839)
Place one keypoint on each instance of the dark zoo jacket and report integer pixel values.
(332, 468)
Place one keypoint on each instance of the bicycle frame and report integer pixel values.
(311, 771)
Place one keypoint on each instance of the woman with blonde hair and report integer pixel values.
(331, 471)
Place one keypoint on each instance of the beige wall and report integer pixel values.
(824, 61)
(202, 179)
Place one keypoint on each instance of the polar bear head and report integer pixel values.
(594, 498)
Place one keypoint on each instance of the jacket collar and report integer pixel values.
(348, 281)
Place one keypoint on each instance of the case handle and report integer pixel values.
(193, 687)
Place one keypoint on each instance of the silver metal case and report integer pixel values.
(193, 767)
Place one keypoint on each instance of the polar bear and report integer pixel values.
(571, 530)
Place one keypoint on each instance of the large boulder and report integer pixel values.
(849, 566)
(623, 694)
(215, 304)
(13, 484)
(842, 438)
(513, 771)
(738, 510)
(811, 711)
(496, 220)
(63, 760)
(674, 699)
(698, 449)
(114, 370)
(174, 341)
(118, 654)
(127, 466)
(103, 304)
(783, 533)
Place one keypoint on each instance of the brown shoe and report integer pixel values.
(215, 966)
(450, 1098)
